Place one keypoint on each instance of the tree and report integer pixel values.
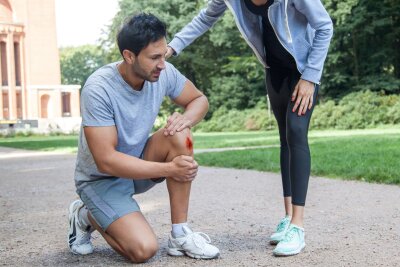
(364, 53)
(77, 63)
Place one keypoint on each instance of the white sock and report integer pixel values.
(83, 219)
(177, 229)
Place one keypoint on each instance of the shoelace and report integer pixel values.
(200, 239)
(85, 237)
(282, 225)
(289, 234)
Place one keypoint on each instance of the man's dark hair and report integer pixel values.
(139, 31)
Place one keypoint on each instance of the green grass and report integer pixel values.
(368, 155)
(373, 158)
(67, 143)
(202, 140)
(237, 139)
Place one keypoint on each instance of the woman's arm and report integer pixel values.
(319, 20)
(199, 25)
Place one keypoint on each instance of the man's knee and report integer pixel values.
(182, 141)
(142, 252)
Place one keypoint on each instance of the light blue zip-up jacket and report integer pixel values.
(303, 27)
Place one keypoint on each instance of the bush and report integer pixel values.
(224, 120)
(354, 111)
(324, 115)
(394, 113)
(228, 120)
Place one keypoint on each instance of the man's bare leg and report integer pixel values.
(182, 241)
(163, 148)
(131, 236)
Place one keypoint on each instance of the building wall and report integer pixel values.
(5, 11)
(10, 32)
(42, 57)
(28, 45)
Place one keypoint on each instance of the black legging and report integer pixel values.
(293, 129)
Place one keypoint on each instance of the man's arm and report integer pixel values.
(195, 104)
(102, 142)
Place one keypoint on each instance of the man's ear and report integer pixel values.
(129, 57)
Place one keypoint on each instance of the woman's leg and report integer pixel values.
(299, 152)
(278, 94)
(293, 242)
(278, 87)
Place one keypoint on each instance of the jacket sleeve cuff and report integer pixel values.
(311, 75)
(177, 45)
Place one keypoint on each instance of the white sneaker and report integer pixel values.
(78, 238)
(193, 244)
(280, 231)
(292, 243)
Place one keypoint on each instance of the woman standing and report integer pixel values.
(291, 39)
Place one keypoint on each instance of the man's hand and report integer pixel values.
(184, 168)
(176, 123)
(304, 91)
(170, 52)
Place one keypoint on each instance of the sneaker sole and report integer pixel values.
(179, 253)
(273, 242)
(175, 252)
(292, 253)
(202, 256)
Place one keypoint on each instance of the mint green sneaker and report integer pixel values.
(292, 243)
(280, 230)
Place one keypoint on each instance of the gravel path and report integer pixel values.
(347, 223)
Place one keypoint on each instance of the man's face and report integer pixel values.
(151, 61)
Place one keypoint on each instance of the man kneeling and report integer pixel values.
(117, 159)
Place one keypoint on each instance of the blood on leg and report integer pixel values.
(189, 144)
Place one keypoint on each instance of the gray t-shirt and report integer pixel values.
(107, 100)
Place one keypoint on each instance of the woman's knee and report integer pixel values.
(296, 132)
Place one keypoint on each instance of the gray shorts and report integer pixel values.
(111, 198)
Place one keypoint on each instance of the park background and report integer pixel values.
(352, 220)
(355, 126)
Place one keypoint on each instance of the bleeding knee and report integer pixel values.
(182, 141)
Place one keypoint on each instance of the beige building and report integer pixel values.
(32, 94)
